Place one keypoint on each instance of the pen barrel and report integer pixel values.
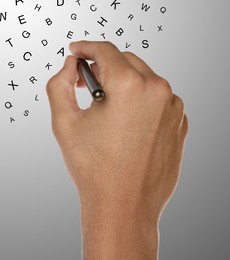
(90, 80)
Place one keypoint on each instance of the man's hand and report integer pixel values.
(124, 153)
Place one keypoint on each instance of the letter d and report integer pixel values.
(60, 2)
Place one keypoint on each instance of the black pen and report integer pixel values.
(90, 80)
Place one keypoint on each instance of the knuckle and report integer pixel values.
(162, 87)
(184, 127)
(178, 102)
(185, 124)
(108, 44)
(128, 54)
(166, 91)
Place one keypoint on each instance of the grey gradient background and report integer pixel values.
(39, 207)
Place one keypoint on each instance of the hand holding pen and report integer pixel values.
(124, 155)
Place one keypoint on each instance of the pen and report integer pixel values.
(90, 80)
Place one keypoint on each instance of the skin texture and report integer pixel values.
(124, 154)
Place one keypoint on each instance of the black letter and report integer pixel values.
(11, 120)
(145, 7)
(70, 34)
(127, 45)
(24, 56)
(26, 113)
(21, 19)
(115, 4)
(12, 85)
(145, 44)
(44, 42)
(86, 33)
(38, 7)
(160, 28)
(103, 34)
(131, 17)
(60, 4)
(11, 65)
(163, 10)
(8, 105)
(32, 79)
(74, 16)
(3, 16)
(26, 34)
(78, 1)
(91, 8)
(61, 51)
(18, 1)
(120, 32)
(101, 22)
(48, 66)
(9, 42)
(48, 21)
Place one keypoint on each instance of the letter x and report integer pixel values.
(160, 28)
(12, 85)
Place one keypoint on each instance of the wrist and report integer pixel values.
(112, 234)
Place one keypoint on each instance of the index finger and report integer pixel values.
(110, 61)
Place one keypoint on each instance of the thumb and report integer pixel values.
(61, 92)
